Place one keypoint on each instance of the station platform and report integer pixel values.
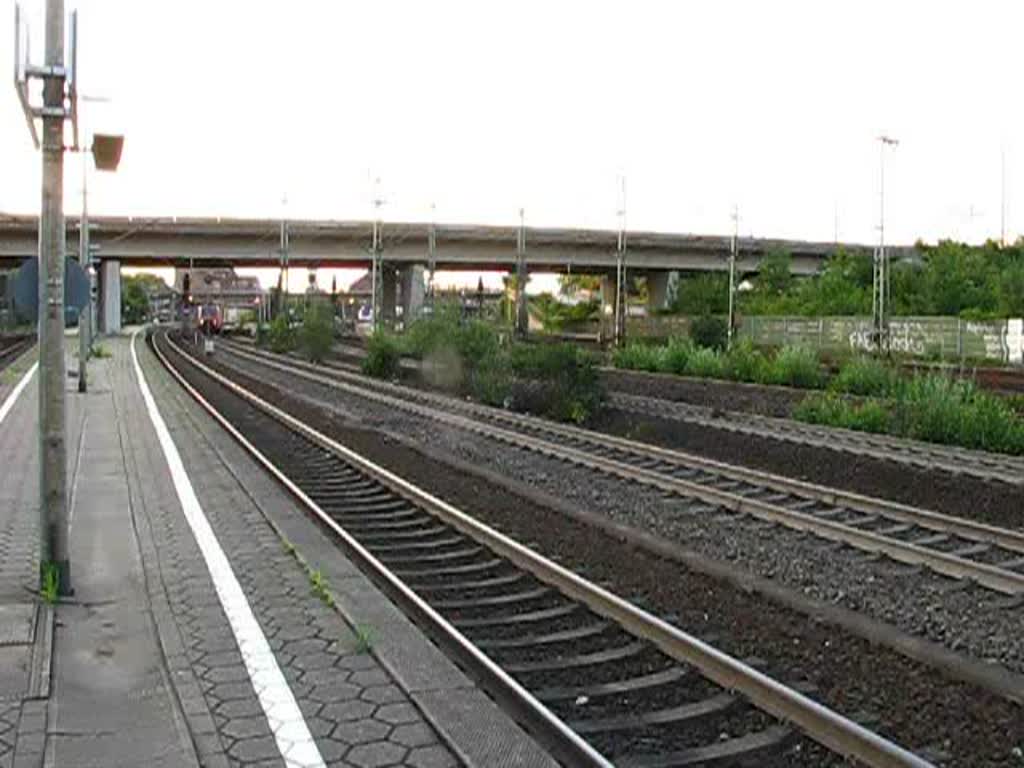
(194, 637)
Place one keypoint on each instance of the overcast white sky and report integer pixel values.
(483, 107)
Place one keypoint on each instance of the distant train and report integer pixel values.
(210, 319)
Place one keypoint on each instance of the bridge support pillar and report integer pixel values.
(660, 287)
(110, 297)
(413, 289)
(389, 291)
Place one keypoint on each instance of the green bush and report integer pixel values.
(383, 356)
(932, 408)
(795, 367)
(706, 363)
(744, 362)
(261, 335)
(281, 336)
(675, 356)
(317, 333)
(636, 356)
(709, 331)
(865, 376)
(559, 381)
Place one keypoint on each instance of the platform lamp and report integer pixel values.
(106, 154)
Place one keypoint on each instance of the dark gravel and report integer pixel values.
(954, 723)
(988, 501)
(726, 395)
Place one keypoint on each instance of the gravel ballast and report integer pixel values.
(909, 698)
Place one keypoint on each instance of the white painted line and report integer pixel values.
(9, 402)
(284, 717)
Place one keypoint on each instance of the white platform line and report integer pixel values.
(284, 717)
(11, 398)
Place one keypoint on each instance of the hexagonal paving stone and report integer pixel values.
(398, 713)
(307, 645)
(246, 727)
(311, 661)
(260, 748)
(362, 731)
(430, 757)
(334, 690)
(240, 708)
(234, 674)
(376, 755)
(413, 735)
(374, 676)
(383, 694)
(345, 711)
(356, 661)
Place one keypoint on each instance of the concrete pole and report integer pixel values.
(522, 275)
(732, 271)
(52, 467)
(85, 315)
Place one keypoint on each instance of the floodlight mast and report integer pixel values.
(880, 292)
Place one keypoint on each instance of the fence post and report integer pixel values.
(959, 339)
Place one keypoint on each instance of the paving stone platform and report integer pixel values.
(147, 669)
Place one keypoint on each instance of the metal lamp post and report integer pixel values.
(880, 294)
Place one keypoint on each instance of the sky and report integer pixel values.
(469, 111)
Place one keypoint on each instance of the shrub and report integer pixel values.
(317, 333)
(636, 356)
(865, 376)
(709, 331)
(795, 367)
(261, 335)
(932, 408)
(559, 381)
(281, 336)
(383, 356)
(744, 362)
(705, 362)
(675, 357)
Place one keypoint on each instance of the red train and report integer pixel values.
(210, 319)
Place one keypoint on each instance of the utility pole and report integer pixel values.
(734, 245)
(283, 281)
(880, 294)
(85, 315)
(376, 276)
(52, 449)
(431, 254)
(1002, 196)
(620, 269)
(522, 312)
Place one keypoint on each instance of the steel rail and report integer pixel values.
(569, 745)
(820, 723)
(992, 577)
(988, 466)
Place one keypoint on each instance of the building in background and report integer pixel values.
(234, 294)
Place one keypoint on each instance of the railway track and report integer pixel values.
(955, 547)
(598, 680)
(12, 347)
(988, 466)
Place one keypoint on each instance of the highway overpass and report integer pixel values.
(162, 242)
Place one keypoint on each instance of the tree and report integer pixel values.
(775, 274)
(572, 284)
(135, 296)
(703, 294)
